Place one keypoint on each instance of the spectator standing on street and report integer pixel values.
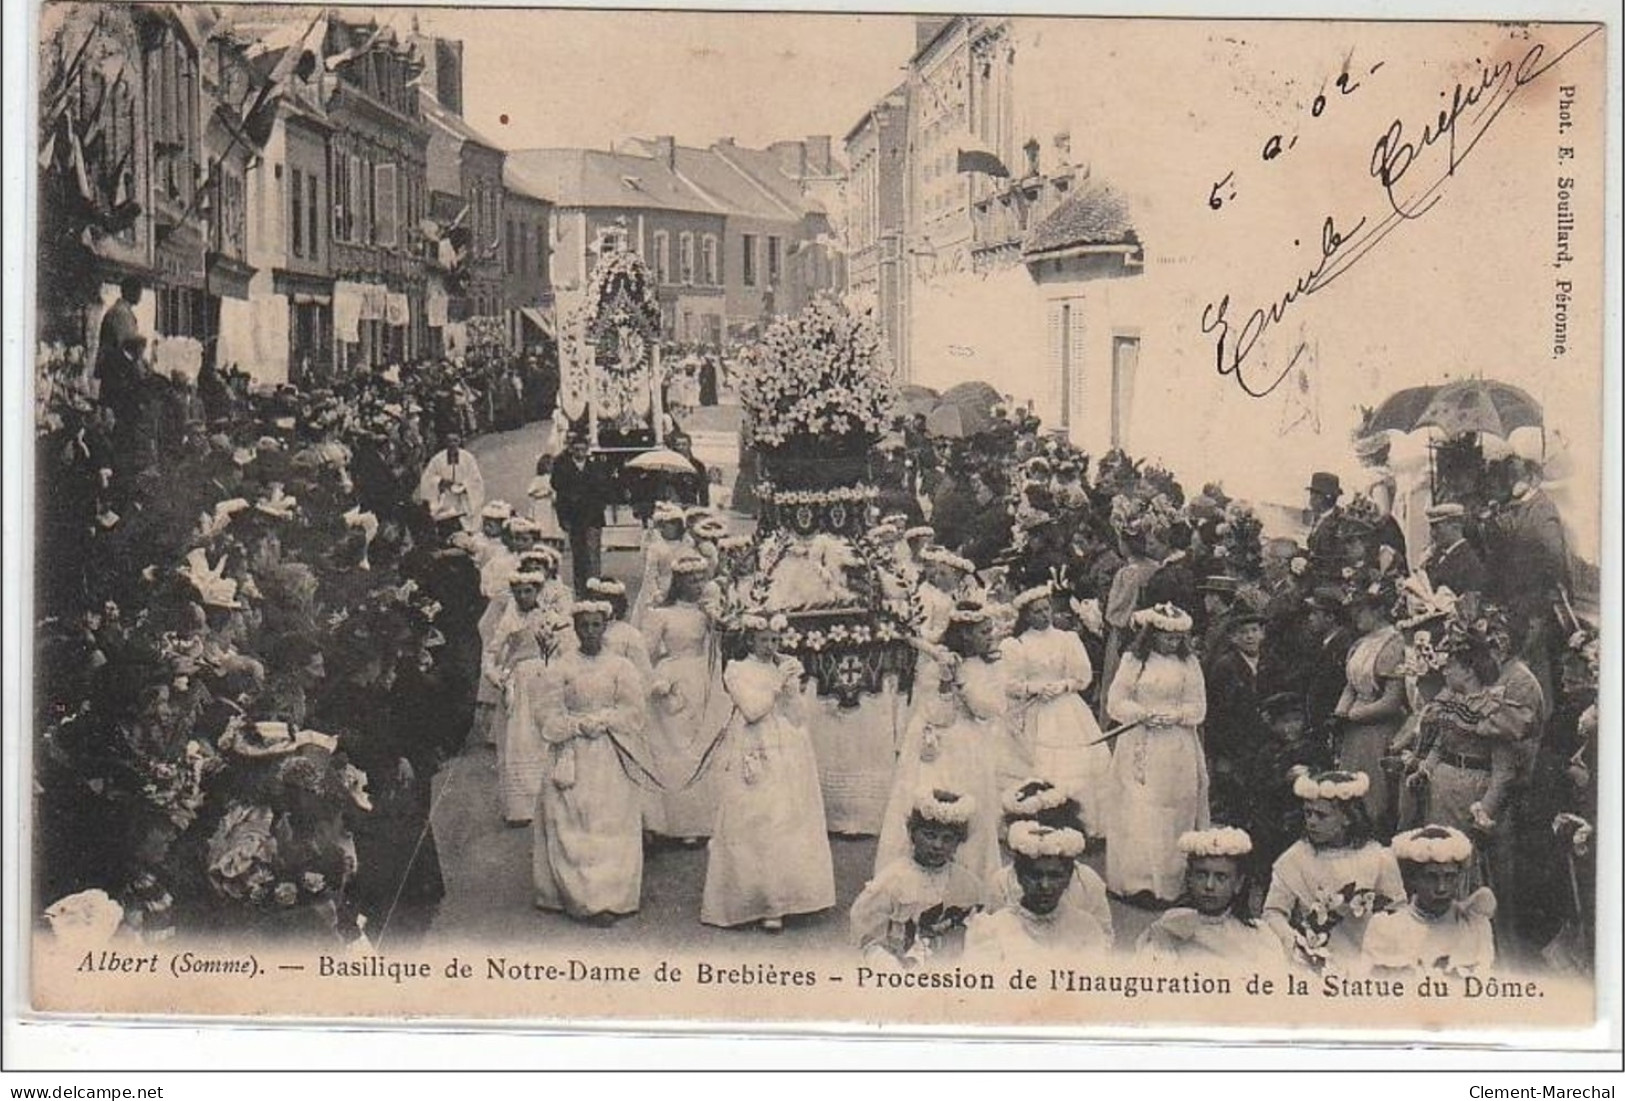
(582, 491)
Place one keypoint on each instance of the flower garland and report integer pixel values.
(1433, 845)
(820, 373)
(1032, 840)
(1034, 797)
(840, 495)
(946, 807)
(1332, 785)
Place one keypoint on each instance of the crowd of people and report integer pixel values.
(266, 617)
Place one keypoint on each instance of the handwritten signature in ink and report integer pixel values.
(1398, 163)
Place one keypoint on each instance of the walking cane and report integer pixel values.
(1114, 733)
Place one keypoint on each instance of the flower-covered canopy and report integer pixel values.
(822, 373)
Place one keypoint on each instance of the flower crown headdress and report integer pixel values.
(1163, 617)
(1032, 840)
(1345, 786)
(1034, 797)
(761, 621)
(947, 807)
(592, 607)
(690, 563)
(1029, 596)
(1433, 845)
(968, 611)
(605, 587)
(1219, 841)
(496, 510)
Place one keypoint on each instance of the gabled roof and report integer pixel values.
(730, 190)
(763, 167)
(522, 183)
(595, 178)
(453, 123)
(1095, 214)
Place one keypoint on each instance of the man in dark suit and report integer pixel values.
(693, 488)
(1327, 641)
(1234, 722)
(1325, 541)
(582, 490)
(1452, 562)
(1532, 558)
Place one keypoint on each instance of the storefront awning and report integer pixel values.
(537, 318)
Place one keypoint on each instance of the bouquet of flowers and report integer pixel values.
(818, 378)
(1313, 924)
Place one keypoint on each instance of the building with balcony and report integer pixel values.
(876, 156)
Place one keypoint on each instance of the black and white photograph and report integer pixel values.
(1026, 520)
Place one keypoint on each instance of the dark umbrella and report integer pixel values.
(1469, 405)
(963, 410)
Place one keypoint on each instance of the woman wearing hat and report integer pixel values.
(1048, 670)
(588, 853)
(687, 702)
(1372, 706)
(769, 855)
(957, 740)
(1159, 777)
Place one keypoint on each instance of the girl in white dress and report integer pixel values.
(588, 853)
(1214, 926)
(1038, 800)
(914, 909)
(1437, 932)
(956, 741)
(1327, 885)
(665, 545)
(620, 637)
(541, 497)
(688, 704)
(1039, 928)
(485, 544)
(769, 854)
(1048, 668)
(515, 663)
(518, 535)
(1159, 786)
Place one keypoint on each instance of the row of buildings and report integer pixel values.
(301, 196)
(985, 247)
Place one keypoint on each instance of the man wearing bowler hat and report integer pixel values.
(1325, 541)
(1219, 593)
(1451, 561)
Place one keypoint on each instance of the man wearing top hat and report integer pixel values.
(1451, 561)
(1325, 541)
(582, 491)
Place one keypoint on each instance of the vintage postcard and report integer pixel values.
(1033, 521)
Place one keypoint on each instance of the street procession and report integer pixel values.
(477, 567)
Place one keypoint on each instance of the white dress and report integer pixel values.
(958, 743)
(516, 662)
(688, 708)
(1015, 936)
(542, 508)
(1460, 941)
(1057, 732)
(1183, 938)
(769, 855)
(1086, 892)
(897, 896)
(1159, 783)
(658, 555)
(1306, 878)
(588, 852)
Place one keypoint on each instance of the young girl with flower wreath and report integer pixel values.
(1325, 887)
(1048, 671)
(769, 854)
(1436, 932)
(914, 909)
(957, 740)
(1039, 926)
(1214, 923)
(1040, 801)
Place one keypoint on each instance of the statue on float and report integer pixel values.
(819, 395)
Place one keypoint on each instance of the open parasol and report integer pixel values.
(661, 459)
(1469, 405)
(963, 410)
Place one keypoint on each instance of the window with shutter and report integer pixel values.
(1055, 384)
(1077, 365)
(1125, 365)
(386, 212)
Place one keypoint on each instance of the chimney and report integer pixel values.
(1031, 149)
(1063, 147)
(791, 157)
(818, 159)
(665, 148)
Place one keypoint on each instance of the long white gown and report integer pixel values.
(684, 719)
(516, 661)
(1305, 877)
(1086, 892)
(1057, 732)
(1184, 938)
(658, 555)
(955, 743)
(1159, 775)
(769, 855)
(467, 499)
(588, 836)
(1017, 936)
